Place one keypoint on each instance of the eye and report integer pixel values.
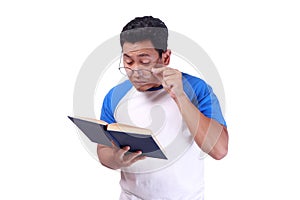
(145, 62)
(129, 62)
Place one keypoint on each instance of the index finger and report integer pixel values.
(121, 152)
(158, 70)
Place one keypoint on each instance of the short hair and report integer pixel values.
(146, 28)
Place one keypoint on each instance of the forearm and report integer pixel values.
(210, 136)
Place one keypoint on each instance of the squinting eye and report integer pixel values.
(145, 62)
(129, 62)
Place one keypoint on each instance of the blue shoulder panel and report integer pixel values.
(202, 96)
(112, 99)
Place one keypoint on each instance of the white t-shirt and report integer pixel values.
(181, 176)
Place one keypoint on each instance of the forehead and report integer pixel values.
(138, 48)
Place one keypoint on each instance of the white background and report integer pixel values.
(254, 45)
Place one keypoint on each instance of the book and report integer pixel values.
(138, 139)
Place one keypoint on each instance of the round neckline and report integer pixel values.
(155, 88)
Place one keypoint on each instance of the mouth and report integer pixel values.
(144, 84)
(140, 82)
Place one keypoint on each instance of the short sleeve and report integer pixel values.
(107, 113)
(112, 99)
(203, 97)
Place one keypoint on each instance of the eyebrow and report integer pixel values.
(139, 55)
(143, 55)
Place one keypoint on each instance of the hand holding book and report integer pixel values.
(116, 158)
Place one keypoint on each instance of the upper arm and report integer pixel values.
(203, 97)
(107, 112)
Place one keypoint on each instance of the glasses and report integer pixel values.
(126, 71)
(145, 73)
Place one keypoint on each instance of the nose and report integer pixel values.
(136, 68)
(136, 72)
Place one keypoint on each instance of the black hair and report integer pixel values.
(146, 28)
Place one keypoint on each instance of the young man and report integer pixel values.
(181, 99)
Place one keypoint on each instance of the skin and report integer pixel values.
(209, 135)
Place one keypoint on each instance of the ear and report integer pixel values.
(166, 57)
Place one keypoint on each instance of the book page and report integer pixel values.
(128, 129)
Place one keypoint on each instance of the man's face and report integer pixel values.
(139, 58)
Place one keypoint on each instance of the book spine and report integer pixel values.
(112, 138)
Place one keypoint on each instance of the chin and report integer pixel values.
(142, 88)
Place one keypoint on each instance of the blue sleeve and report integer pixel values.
(107, 112)
(112, 99)
(203, 97)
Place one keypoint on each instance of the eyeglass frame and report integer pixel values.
(133, 70)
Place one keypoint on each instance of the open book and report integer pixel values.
(121, 135)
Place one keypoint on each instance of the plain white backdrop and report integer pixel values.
(254, 45)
